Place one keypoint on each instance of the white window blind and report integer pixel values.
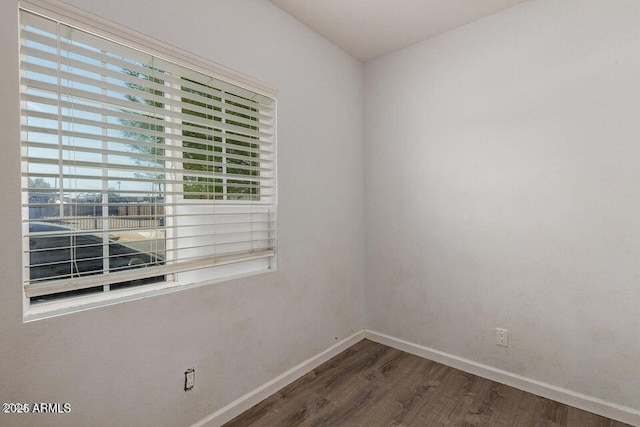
(135, 167)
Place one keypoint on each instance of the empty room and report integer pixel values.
(320, 213)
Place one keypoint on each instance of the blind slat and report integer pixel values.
(138, 108)
(103, 51)
(178, 148)
(146, 95)
(70, 121)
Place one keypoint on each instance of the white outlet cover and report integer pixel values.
(502, 337)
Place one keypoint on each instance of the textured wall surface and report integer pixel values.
(124, 364)
(503, 190)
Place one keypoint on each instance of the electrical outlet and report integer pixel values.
(502, 337)
(189, 378)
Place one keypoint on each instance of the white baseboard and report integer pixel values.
(256, 396)
(568, 397)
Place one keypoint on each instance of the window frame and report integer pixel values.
(116, 33)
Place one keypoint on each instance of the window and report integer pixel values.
(138, 166)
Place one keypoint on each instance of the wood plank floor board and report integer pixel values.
(529, 410)
(375, 379)
(476, 411)
(443, 398)
(417, 396)
(555, 412)
(367, 390)
(372, 385)
(505, 409)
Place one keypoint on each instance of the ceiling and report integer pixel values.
(367, 29)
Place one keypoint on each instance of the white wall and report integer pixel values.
(502, 175)
(124, 364)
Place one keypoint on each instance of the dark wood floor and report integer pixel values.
(371, 384)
